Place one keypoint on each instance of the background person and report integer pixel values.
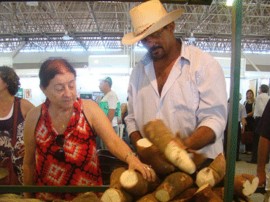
(261, 102)
(174, 82)
(242, 114)
(110, 104)
(241, 127)
(13, 111)
(249, 106)
(60, 136)
(263, 130)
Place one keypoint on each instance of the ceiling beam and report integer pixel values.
(189, 2)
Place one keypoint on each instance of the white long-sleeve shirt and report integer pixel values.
(194, 95)
(260, 104)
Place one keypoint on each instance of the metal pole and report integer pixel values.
(234, 100)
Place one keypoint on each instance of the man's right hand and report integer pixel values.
(134, 137)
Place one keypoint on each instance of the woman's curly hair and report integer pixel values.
(9, 76)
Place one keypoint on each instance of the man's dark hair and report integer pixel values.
(264, 88)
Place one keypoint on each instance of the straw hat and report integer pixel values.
(147, 18)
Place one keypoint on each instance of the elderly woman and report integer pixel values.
(13, 111)
(60, 136)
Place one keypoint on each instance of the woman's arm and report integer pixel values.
(30, 147)
(116, 146)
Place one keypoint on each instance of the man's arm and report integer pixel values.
(134, 137)
(201, 137)
(263, 152)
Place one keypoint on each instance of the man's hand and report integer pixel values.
(134, 137)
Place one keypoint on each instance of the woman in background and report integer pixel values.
(249, 105)
(13, 111)
(60, 136)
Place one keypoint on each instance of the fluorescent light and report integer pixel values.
(32, 3)
(229, 2)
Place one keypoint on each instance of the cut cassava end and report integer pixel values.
(115, 177)
(245, 184)
(150, 154)
(173, 185)
(179, 157)
(134, 183)
(157, 132)
(213, 174)
(115, 195)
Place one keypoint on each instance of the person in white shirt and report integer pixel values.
(242, 114)
(109, 103)
(179, 84)
(260, 104)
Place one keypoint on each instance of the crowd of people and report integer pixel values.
(56, 142)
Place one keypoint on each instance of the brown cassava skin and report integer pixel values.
(219, 165)
(141, 187)
(85, 197)
(163, 138)
(148, 198)
(152, 156)
(115, 177)
(173, 185)
(239, 181)
(112, 192)
(115, 186)
(152, 128)
(186, 196)
(219, 191)
(206, 194)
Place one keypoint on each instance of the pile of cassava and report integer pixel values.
(183, 175)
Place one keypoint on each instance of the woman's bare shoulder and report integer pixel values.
(89, 105)
(26, 106)
(34, 114)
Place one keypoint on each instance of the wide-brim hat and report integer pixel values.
(147, 18)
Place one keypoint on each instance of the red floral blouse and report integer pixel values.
(79, 163)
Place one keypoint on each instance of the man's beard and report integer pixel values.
(156, 55)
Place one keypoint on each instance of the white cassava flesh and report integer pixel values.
(134, 183)
(250, 188)
(144, 142)
(162, 195)
(173, 185)
(179, 157)
(205, 176)
(129, 179)
(114, 195)
(245, 184)
(151, 155)
(214, 173)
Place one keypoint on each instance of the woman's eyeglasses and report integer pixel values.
(60, 153)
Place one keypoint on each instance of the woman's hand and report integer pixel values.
(147, 172)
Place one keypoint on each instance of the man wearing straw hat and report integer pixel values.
(179, 84)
